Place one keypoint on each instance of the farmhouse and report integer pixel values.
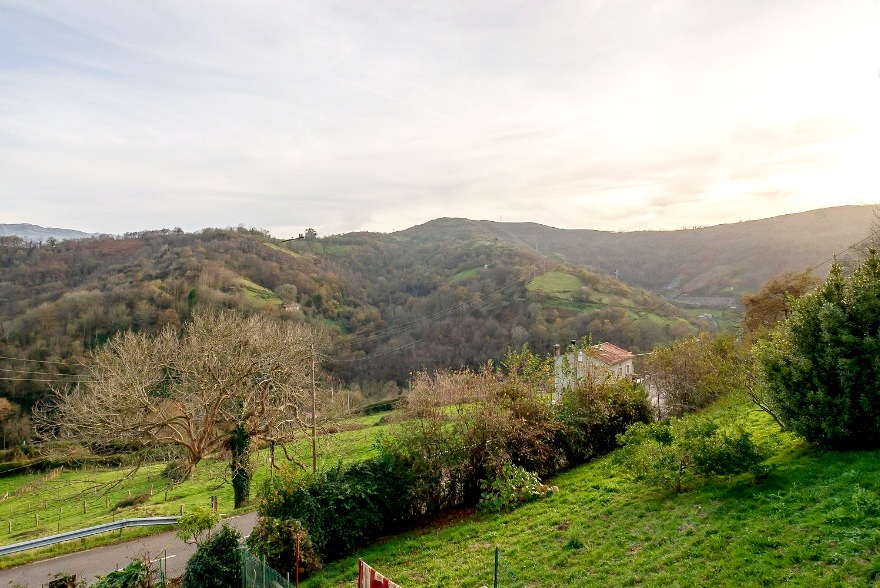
(597, 362)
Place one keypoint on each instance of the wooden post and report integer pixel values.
(106, 502)
(181, 510)
(296, 573)
(84, 507)
(37, 520)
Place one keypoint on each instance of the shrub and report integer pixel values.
(195, 526)
(690, 374)
(135, 575)
(133, 500)
(275, 540)
(820, 366)
(514, 485)
(216, 562)
(343, 507)
(675, 453)
(593, 415)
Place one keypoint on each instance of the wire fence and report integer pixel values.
(256, 574)
(509, 573)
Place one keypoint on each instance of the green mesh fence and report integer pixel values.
(256, 574)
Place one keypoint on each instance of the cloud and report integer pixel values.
(347, 117)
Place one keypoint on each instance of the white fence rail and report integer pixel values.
(80, 533)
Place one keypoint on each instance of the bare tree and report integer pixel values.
(220, 374)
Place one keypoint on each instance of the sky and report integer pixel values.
(124, 115)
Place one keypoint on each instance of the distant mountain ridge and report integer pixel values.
(729, 260)
(725, 260)
(30, 232)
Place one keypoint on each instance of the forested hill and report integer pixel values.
(395, 305)
(450, 293)
(703, 261)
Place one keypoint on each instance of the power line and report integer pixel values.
(833, 257)
(14, 371)
(374, 356)
(36, 360)
(403, 327)
(53, 381)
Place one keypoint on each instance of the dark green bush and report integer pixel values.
(275, 540)
(343, 507)
(513, 486)
(216, 562)
(820, 366)
(135, 575)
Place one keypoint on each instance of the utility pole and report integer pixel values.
(314, 425)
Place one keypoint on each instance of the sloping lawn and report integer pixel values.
(813, 522)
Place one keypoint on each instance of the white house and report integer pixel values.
(599, 362)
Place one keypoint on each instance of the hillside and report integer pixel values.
(707, 261)
(394, 305)
(36, 233)
(813, 522)
(449, 293)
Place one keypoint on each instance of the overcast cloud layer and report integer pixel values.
(623, 114)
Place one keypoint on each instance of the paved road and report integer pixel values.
(87, 565)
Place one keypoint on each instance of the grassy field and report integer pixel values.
(40, 504)
(257, 292)
(465, 275)
(813, 522)
(557, 284)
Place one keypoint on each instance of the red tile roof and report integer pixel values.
(611, 354)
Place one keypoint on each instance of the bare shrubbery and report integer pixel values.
(470, 436)
(434, 392)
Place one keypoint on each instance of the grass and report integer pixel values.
(113, 494)
(556, 284)
(727, 319)
(814, 522)
(465, 275)
(257, 292)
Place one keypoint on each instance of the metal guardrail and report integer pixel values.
(80, 533)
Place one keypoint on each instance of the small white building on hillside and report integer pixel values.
(598, 363)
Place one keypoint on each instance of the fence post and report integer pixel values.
(496, 567)
(296, 562)
(37, 520)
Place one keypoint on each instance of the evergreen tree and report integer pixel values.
(822, 365)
